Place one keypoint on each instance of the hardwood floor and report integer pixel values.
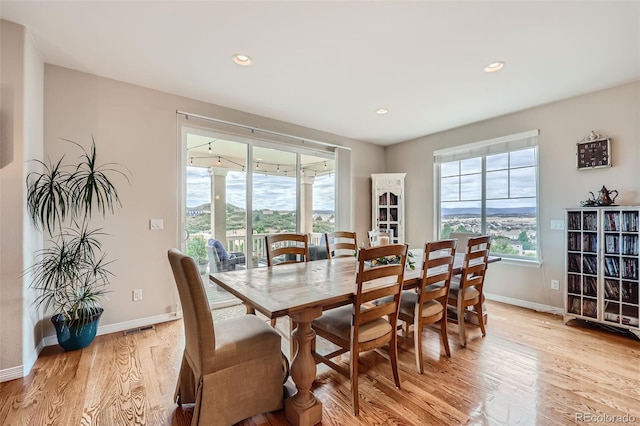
(530, 369)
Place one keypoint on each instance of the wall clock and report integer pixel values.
(593, 154)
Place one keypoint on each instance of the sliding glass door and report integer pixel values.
(274, 196)
(215, 202)
(284, 188)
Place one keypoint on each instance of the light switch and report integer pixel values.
(156, 224)
(557, 224)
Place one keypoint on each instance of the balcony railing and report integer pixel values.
(236, 243)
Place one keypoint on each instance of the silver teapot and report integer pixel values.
(605, 197)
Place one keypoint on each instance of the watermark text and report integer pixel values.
(604, 418)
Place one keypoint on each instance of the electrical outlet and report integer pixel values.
(137, 295)
(156, 224)
(555, 285)
(557, 224)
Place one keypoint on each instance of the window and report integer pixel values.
(237, 187)
(491, 187)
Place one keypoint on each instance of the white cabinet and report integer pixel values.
(602, 266)
(387, 203)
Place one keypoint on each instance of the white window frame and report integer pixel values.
(501, 145)
(343, 205)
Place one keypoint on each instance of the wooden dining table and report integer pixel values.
(302, 291)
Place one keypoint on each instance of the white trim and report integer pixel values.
(122, 326)
(343, 198)
(525, 304)
(520, 262)
(20, 371)
(522, 136)
(11, 374)
(28, 365)
(252, 129)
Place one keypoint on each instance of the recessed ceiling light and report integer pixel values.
(243, 60)
(496, 66)
(382, 111)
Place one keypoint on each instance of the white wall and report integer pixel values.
(136, 127)
(614, 112)
(21, 100)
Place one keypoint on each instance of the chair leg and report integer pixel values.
(478, 308)
(417, 343)
(405, 329)
(393, 355)
(273, 322)
(354, 382)
(443, 332)
(463, 338)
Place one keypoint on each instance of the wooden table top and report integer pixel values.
(283, 289)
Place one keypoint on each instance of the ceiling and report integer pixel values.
(329, 65)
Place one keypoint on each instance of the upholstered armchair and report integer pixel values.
(231, 371)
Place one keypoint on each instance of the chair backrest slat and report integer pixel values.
(341, 243)
(436, 270)
(287, 244)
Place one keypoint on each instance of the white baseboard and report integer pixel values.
(525, 304)
(21, 371)
(122, 326)
(11, 374)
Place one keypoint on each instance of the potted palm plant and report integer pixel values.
(71, 273)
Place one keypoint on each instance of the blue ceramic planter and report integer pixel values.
(79, 334)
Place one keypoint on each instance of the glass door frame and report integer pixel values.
(250, 141)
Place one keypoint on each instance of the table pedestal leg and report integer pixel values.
(303, 408)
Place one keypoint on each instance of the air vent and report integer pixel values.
(139, 329)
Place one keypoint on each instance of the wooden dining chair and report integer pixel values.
(467, 289)
(363, 325)
(283, 249)
(341, 244)
(231, 371)
(428, 304)
(286, 248)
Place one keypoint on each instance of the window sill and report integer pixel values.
(520, 262)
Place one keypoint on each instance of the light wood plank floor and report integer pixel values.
(530, 369)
